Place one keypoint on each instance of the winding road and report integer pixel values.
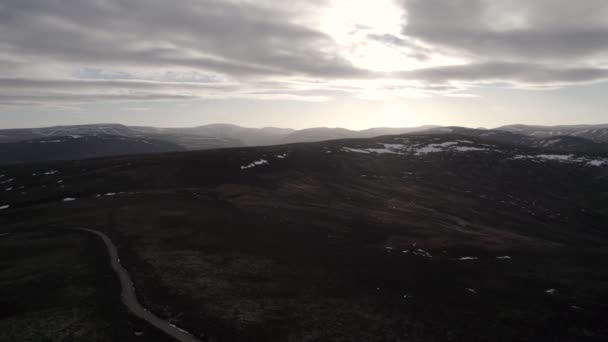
(130, 299)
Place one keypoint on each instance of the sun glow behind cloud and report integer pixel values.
(369, 36)
(350, 22)
(136, 52)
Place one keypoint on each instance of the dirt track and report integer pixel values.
(130, 299)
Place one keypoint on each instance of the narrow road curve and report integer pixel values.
(130, 299)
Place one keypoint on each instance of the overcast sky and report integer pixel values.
(303, 63)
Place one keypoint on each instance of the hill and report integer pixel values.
(422, 237)
(564, 143)
(597, 133)
(217, 135)
(208, 136)
(319, 134)
(79, 147)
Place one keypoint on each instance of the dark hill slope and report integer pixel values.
(23, 134)
(420, 238)
(597, 133)
(566, 143)
(79, 147)
(561, 143)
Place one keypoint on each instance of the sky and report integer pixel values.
(303, 63)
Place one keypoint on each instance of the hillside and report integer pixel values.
(74, 147)
(319, 134)
(423, 237)
(23, 134)
(558, 143)
(597, 133)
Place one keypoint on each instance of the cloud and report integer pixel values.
(517, 30)
(418, 52)
(238, 40)
(524, 73)
(539, 44)
(111, 50)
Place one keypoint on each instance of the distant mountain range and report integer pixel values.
(97, 140)
(205, 137)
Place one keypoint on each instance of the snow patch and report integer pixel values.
(468, 149)
(69, 199)
(418, 252)
(417, 149)
(385, 149)
(254, 164)
(468, 258)
(422, 252)
(432, 148)
(435, 147)
(356, 150)
(563, 158)
(395, 146)
(503, 257)
(381, 151)
(597, 162)
(4, 207)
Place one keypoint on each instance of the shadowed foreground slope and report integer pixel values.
(418, 238)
